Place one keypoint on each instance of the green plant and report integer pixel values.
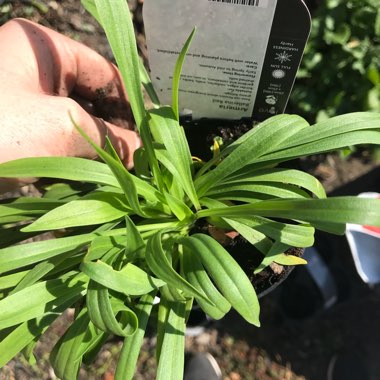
(340, 71)
(131, 237)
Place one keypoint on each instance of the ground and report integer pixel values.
(284, 348)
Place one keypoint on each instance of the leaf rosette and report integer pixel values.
(125, 239)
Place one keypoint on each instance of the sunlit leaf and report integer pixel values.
(131, 280)
(126, 365)
(36, 300)
(103, 310)
(95, 209)
(173, 342)
(227, 275)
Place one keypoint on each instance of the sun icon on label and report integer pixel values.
(283, 57)
(278, 74)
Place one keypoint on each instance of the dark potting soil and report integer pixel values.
(200, 134)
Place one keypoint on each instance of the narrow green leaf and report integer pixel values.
(179, 208)
(28, 206)
(275, 251)
(197, 276)
(126, 365)
(146, 138)
(291, 234)
(10, 281)
(177, 74)
(227, 275)
(70, 168)
(267, 190)
(95, 209)
(103, 310)
(254, 144)
(162, 319)
(284, 259)
(26, 333)
(173, 342)
(161, 267)
(105, 245)
(125, 179)
(116, 20)
(332, 134)
(90, 7)
(147, 83)
(135, 245)
(131, 280)
(338, 210)
(324, 145)
(279, 175)
(40, 298)
(39, 271)
(64, 357)
(167, 131)
(335, 126)
(25, 254)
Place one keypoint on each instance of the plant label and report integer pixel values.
(243, 59)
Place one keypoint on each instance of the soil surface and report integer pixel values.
(297, 340)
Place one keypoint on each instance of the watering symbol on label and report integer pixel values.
(271, 99)
(283, 57)
(278, 74)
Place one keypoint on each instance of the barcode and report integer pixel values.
(253, 3)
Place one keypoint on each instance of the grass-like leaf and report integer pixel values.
(278, 176)
(95, 209)
(198, 277)
(131, 280)
(161, 267)
(20, 256)
(339, 210)
(260, 190)
(90, 6)
(116, 20)
(126, 365)
(27, 207)
(291, 234)
(166, 130)
(70, 168)
(227, 275)
(261, 140)
(103, 310)
(177, 74)
(27, 332)
(40, 298)
(173, 342)
(64, 357)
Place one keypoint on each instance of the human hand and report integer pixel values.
(41, 73)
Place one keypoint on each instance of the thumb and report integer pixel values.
(123, 140)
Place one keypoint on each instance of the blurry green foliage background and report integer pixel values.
(340, 71)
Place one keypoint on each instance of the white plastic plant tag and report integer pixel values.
(364, 242)
(242, 61)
